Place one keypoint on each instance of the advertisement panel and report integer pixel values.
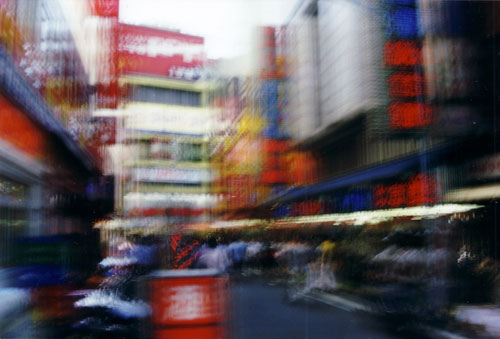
(194, 121)
(19, 131)
(145, 50)
(170, 174)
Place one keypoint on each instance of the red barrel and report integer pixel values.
(189, 303)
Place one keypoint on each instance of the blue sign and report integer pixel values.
(402, 22)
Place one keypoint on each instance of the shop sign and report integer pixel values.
(175, 175)
(17, 129)
(194, 121)
(151, 51)
(403, 55)
(14, 86)
(357, 200)
(420, 189)
(267, 46)
(188, 300)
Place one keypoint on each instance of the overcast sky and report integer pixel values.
(225, 24)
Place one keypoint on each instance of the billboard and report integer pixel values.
(151, 51)
(171, 119)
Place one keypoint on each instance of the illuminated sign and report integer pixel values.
(409, 114)
(403, 84)
(403, 54)
(357, 200)
(419, 190)
(402, 22)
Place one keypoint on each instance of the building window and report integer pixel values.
(165, 96)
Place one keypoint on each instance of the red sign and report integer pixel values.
(406, 85)
(196, 300)
(268, 53)
(407, 115)
(402, 53)
(419, 190)
(152, 51)
(22, 133)
(105, 8)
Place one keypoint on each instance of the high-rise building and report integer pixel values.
(163, 121)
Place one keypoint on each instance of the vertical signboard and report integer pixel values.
(107, 86)
(403, 56)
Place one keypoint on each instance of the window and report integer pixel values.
(165, 96)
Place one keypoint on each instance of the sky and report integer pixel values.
(226, 25)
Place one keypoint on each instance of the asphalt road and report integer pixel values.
(263, 311)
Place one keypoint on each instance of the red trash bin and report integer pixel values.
(189, 303)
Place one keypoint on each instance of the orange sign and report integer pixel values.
(22, 133)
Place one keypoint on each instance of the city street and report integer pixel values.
(263, 311)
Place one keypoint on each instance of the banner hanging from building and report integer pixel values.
(152, 51)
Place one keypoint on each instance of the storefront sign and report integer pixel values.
(402, 54)
(18, 130)
(196, 121)
(356, 200)
(189, 300)
(420, 189)
(174, 175)
(151, 51)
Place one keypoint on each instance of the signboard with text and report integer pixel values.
(152, 51)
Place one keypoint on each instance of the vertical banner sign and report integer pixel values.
(268, 53)
(403, 56)
(107, 86)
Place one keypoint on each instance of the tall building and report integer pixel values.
(50, 179)
(163, 173)
(395, 102)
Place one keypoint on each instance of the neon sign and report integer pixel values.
(403, 84)
(419, 190)
(403, 53)
(409, 114)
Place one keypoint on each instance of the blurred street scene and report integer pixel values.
(249, 169)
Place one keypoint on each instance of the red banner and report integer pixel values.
(152, 51)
